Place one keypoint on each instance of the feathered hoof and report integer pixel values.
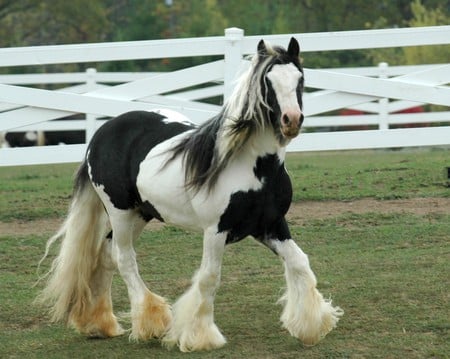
(194, 338)
(113, 330)
(98, 322)
(313, 321)
(106, 326)
(151, 319)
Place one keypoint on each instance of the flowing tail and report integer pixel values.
(68, 293)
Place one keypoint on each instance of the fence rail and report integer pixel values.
(379, 92)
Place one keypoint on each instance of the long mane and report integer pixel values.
(207, 150)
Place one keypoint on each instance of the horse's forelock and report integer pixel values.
(247, 102)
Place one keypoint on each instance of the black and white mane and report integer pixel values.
(251, 108)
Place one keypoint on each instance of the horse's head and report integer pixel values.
(282, 87)
(268, 96)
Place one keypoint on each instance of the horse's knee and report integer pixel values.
(106, 258)
(209, 281)
(294, 258)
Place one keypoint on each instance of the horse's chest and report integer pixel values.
(258, 212)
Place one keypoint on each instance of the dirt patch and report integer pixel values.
(299, 212)
(304, 211)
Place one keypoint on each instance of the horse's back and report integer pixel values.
(118, 148)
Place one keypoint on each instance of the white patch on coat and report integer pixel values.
(162, 183)
(31, 136)
(284, 80)
(173, 116)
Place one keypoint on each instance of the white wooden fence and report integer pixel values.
(379, 91)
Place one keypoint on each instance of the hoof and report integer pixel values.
(195, 338)
(152, 318)
(312, 321)
(99, 322)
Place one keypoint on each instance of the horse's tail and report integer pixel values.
(67, 293)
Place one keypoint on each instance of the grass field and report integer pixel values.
(388, 271)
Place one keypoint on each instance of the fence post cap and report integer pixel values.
(234, 33)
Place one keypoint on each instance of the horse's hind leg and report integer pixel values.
(78, 287)
(98, 319)
(306, 314)
(150, 314)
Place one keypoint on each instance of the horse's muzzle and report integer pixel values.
(291, 122)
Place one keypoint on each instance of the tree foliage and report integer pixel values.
(420, 16)
(427, 17)
(28, 22)
(44, 22)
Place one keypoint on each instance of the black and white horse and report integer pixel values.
(22, 139)
(226, 177)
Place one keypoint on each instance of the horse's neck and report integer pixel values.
(264, 143)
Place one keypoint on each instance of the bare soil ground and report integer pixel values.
(300, 212)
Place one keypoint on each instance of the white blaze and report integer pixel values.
(284, 80)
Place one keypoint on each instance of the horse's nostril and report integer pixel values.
(286, 120)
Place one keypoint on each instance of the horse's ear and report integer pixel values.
(262, 49)
(294, 48)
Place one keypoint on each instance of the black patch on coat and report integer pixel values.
(67, 137)
(260, 213)
(19, 139)
(117, 150)
(148, 211)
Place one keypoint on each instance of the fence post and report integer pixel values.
(233, 58)
(383, 120)
(91, 127)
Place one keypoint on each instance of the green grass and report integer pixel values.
(389, 272)
(379, 174)
(35, 192)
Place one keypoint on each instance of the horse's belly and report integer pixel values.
(161, 183)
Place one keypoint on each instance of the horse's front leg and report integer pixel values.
(193, 326)
(306, 314)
